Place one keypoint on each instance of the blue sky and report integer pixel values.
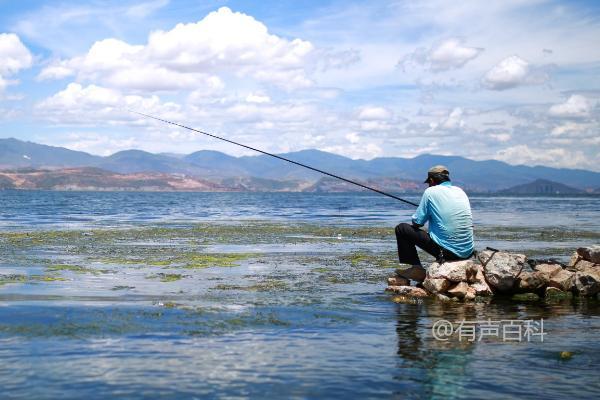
(514, 80)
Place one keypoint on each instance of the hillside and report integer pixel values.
(392, 172)
(542, 186)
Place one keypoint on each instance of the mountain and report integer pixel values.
(18, 154)
(131, 161)
(542, 186)
(391, 172)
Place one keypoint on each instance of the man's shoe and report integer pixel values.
(415, 273)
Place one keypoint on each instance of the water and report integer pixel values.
(300, 312)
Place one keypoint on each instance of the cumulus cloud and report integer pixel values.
(93, 104)
(557, 157)
(374, 114)
(14, 56)
(454, 120)
(445, 55)
(576, 106)
(514, 71)
(501, 137)
(224, 42)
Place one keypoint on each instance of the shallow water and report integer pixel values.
(192, 295)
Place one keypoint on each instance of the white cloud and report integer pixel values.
(357, 150)
(258, 98)
(556, 157)
(501, 137)
(374, 114)
(353, 137)
(14, 56)
(224, 42)
(576, 106)
(445, 55)
(95, 105)
(146, 8)
(454, 119)
(570, 129)
(514, 71)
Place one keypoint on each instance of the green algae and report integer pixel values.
(13, 278)
(199, 260)
(525, 297)
(19, 278)
(122, 287)
(267, 285)
(166, 277)
(76, 268)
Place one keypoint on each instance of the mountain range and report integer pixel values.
(262, 171)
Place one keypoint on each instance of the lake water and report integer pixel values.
(235, 295)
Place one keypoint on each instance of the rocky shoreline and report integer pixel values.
(493, 272)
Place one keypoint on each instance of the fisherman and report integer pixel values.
(450, 237)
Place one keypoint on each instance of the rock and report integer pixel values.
(525, 297)
(574, 259)
(471, 293)
(590, 253)
(459, 290)
(442, 297)
(547, 271)
(584, 265)
(553, 293)
(530, 281)
(587, 281)
(563, 280)
(398, 281)
(501, 269)
(436, 285)
(455, 271)
(480, 285)
(404, 299)
(407, 291)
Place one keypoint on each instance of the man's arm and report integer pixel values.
(421, 216)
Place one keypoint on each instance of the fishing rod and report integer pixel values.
(276, 156)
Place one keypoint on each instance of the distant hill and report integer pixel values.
(18, 154)
(391, 172)
(97, 179)
(542, 186)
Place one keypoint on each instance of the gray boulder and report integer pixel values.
(590, 253)
(436, 285)
(455, 271)
(587, 281)
(502, 269)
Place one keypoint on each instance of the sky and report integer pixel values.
(512, 80)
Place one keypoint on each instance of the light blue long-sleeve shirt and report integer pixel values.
(448, 211)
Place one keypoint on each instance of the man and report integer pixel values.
(447, 209)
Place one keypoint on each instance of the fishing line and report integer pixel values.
(276, 156)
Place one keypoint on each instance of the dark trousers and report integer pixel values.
(408, 236)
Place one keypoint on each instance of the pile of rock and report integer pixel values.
(508, 273)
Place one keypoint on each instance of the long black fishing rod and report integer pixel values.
(276, 156)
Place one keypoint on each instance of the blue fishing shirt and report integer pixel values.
(448, 211)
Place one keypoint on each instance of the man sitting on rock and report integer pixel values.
(447, 209)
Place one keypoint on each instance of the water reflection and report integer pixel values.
(431, 368)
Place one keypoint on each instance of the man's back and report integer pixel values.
(448, 211)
